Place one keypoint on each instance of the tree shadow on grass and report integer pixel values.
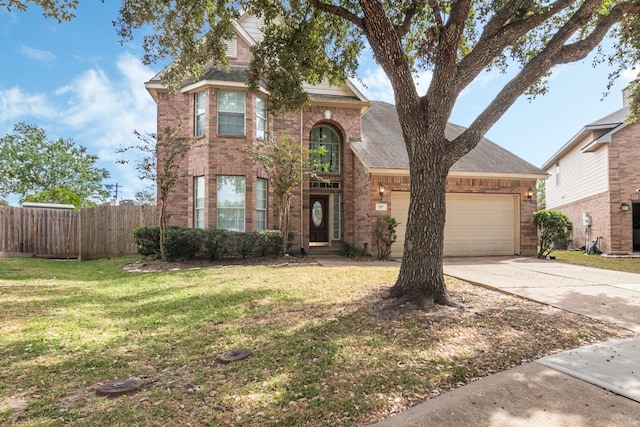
(313, 363)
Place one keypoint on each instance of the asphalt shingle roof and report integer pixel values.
(615, 118)
(382, 146)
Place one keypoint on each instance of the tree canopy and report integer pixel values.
(40, 168)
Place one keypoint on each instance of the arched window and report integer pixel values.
(327, 138)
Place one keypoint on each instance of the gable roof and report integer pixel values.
(606, 127)
(382, 150)
(249, 28)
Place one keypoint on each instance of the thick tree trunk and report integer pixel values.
(421, 278)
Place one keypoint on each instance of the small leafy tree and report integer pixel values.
(553, 227)
(146, 196)
(385, 235)
(56, 195)
(34, 165)
(286, 163)
(162, 155)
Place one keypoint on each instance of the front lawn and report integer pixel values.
(324, 353)
(629, 264)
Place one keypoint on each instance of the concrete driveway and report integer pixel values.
(559, 390)
(606, 295)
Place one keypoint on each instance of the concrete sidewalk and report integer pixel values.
(580, 387)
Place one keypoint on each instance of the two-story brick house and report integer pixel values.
(489, 203)
(595, 179)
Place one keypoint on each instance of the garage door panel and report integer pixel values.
(476, 224)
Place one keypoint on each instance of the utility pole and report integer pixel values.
(114, 201)
(117, 187)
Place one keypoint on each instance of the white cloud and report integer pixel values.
(37, 54)
(97, 110)
(16, 104)
(377, 86)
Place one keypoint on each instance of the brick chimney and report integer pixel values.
(627, 92)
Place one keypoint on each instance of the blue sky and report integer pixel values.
(77, 81)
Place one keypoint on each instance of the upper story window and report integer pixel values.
(327, 138)
(199, 113)
(261, 117)
(558, 173)
(231, 111)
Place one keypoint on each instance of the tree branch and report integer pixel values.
(530, 73)
(338, 11)
(389, 52)
(447, 54)
(580, 49)
(437, 18)
(413, 10)
(498, 34)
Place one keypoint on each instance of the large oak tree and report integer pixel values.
(455, 39)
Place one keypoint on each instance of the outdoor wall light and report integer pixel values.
(381, 190)
(529, 194)
(624, 207)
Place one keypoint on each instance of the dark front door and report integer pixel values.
(319, 221)
(635, 212)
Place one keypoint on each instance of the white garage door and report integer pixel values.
(476, 224)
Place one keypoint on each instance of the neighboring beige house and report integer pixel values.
(595, 179)
(491, 192)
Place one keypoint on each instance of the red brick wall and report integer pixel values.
(624, 182)
(598, 208)
(214, 155)
(528, 236)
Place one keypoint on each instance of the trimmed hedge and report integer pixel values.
(188, 243)
(147, 240)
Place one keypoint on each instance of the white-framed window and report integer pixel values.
(325, 137)
(261, 204)
(198, 202)
(261, 117)
(199, 113)
(231, 110)
(557, 173)
(336, 217)
(231, 203)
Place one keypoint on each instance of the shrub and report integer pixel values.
(212, 243)
(183, 243)
(269, 242)
(384, 233)
(187, 243)
(147, 240)
(553, 228)
(352, 251)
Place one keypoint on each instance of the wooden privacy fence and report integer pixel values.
(101, 231)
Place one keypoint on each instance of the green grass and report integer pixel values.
(631, 265)
(324, 353)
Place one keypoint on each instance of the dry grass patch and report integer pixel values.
(324, 353)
